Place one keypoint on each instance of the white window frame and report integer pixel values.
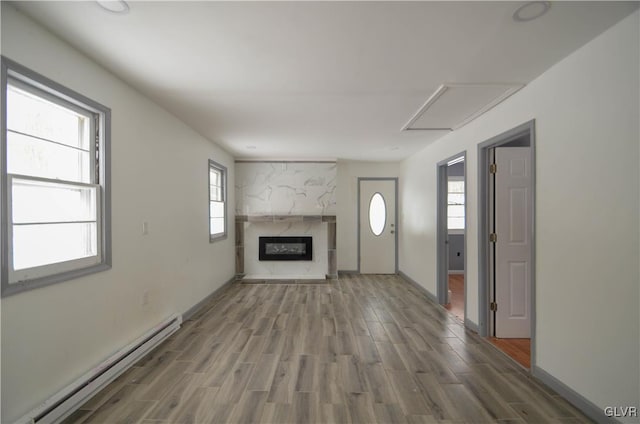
(456, 230)
(16, 281)
(223, 172)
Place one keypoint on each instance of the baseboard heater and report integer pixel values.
(69, 399)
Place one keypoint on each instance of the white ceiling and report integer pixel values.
(318, 79)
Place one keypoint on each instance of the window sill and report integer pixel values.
(219, 237)
(15, 288)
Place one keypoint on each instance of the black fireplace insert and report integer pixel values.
(285, 248)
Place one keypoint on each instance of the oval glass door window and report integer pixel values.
(377, 214)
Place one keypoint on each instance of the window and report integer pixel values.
(377, 214)
(217, 201)
(55, 184)
(455, 204)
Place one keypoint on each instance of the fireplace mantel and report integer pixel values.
(330, 220)
(285, 218)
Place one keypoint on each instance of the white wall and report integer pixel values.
(347, 206)
(586, 111)
(52, 335)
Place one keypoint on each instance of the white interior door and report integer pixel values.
(377, 226)
(513, 244)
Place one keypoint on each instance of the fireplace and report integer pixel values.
(285, 248)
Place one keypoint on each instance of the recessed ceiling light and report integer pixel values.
(251, 147)
(114, 6)
(531, 10)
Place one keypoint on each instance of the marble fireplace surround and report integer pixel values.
(312, 220)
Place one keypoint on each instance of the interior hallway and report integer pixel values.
(518, 349)
(456, 300)
(360, 349)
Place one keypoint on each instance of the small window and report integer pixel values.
(55, 146)
(217, 201)
(377, 214)
(455, 204)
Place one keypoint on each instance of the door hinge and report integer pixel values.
(493, 237)
(493, 306)
(493, 168)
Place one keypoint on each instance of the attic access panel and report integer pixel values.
(452, 106)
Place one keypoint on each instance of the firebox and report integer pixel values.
(285, 248)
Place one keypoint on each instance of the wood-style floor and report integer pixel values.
(456, 302)
(518, 349)
(362, 349)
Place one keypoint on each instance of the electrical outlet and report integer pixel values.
(145, 228)
(145, 297)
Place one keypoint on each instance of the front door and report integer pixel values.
(513, 228)
(377, 226)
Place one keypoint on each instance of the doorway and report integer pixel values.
(506, 247)
(377, 225)
(451, 219)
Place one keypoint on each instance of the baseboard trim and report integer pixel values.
(415, 284)
(576, 399)
(348, 272)
(285, 277)
(471, 325)
(455, 271)
(67, 400)
(195, 308)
